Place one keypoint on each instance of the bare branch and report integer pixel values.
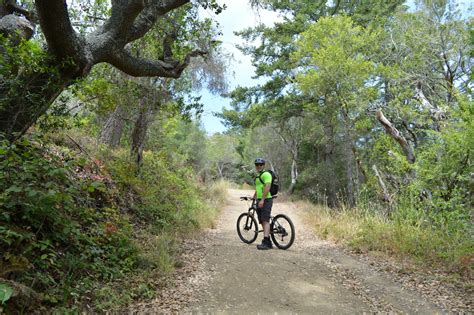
(385, 194)
(394, 133)
(12, 7)
(435, 112)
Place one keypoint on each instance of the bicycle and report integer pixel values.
(282, 230)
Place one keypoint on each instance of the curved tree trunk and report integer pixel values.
(24, 101)
(111, 133)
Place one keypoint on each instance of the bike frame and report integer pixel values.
(252, 210)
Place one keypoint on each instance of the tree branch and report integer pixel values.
(12, 7)
(394, 133)
(149, 16)
(16, 27)
(136, 67)
(385, 194)
(62, 40)
(436, 113)
(122, 18)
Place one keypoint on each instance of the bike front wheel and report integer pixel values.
(247, 228)
(282, 231)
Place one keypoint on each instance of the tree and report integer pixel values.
(221, 154)
(71, 55)
(335, 67)
(279, 99)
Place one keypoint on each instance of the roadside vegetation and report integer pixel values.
(416, 244)
(84, 229)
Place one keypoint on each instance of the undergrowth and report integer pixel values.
(88, 231)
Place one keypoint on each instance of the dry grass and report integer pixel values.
(363, 231)
(336, 226)
(216, 196)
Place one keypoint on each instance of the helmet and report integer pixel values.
(259, 161)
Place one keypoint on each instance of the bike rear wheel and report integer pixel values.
(247, 228)
(282, 231)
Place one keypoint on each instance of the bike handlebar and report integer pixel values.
(251, 198)
(246, 198)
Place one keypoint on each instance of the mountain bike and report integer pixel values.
(282, 230)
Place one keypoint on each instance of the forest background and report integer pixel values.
(365, 111)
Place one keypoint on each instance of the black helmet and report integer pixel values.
(259, 161)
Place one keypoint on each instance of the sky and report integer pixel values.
(238, 16)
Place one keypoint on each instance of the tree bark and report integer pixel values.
(294, 176)
(220, 169)
(26, 99)
(436, 113)
(140, 130)
(329, 148)
(290, 132)
(15, 22)
(361, 175)
(394, 133)
(350, 171)
(385, 194)
(111, 133)
(349, 159)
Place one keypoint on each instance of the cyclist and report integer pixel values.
(264, 201)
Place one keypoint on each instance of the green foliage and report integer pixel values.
(444, 170)
(167, 192)
(5, 292)
(335, 51)
(332, 65)
(57, 224)
(18, 61)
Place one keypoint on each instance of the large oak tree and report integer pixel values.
(27, 94)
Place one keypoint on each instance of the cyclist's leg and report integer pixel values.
(260, 217)
(267, 212)
(266, 228)
(264, 219)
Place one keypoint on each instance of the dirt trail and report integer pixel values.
(226, 276)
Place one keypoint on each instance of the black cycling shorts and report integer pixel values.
(265, 212)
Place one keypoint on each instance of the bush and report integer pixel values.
(167, 194)
(59, 225)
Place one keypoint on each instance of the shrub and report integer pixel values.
(58, 223)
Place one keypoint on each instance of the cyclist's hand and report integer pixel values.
(260, 203)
